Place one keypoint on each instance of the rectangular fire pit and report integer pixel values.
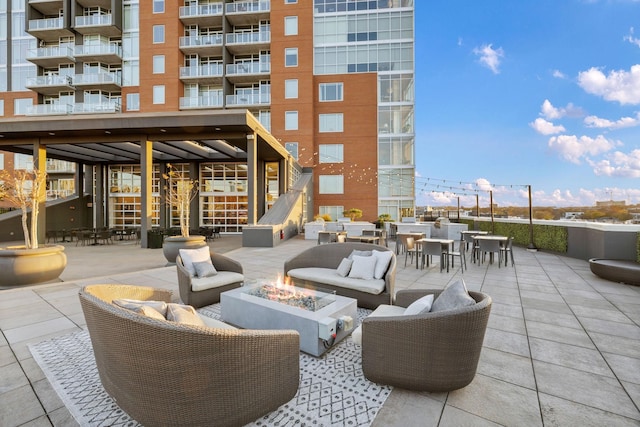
(312, 312)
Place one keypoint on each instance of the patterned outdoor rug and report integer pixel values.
(333, 391)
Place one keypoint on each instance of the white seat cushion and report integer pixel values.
(383, 310)
(213, 323)
(221, 279)
(330, 276)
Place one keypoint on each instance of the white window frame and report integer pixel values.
(158, 3)
(332, 122)
(292, 148)
(331, 184)
(133, 101)
(158, 64)
(291, 25)
(290, 120)
(339, 91)
(331, 153)
(160, 36)
(290, 1)
(334, 212)
(289, 53)
(158, 94)
(291, 89)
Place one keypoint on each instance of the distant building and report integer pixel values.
(610, 203)
(573, 215)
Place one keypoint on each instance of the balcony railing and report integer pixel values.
(246, 38)
(194, 11)
(200, 41)
(100, 107)
(94, 20)
(249, 6)
(249, 68)
(51, 80)
(97, 78)
(250, 99)
(49, 109)
(100, 49)
(208, 70)
(205, 101)
(46, 24)
(50, 52)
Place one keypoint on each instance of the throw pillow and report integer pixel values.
(453, 296)
(356, 252)
(363, 267)
(145, 310)
(185, 314)
(205, 268)
(419, 306)
(134, 305)
(345, 267)
(383, 259)
(189, 256)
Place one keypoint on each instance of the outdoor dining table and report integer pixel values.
(446, 244)
(366, 239)
(502, 239)
(399, 237)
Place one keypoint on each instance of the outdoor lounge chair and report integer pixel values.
(434, 351)
(164, 373)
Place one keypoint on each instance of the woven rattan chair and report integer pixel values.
(427, 352)
(164, 373)
(209, 296)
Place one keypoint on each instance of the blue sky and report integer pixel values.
(511, 93)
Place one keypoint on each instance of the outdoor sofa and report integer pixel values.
(319, 265)
(164, 373)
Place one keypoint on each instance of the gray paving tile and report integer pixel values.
(634, 392)
(506, 341)
(559, 333)
(11, 377)
(402, 408)
(454, 417)
(507, 367)
(37, 329)
(565, 320)
(63, 418)
(625, 368)
(571, 356)
(589, 389)
(606, 327)
(611, 314)
(560, 412)
(553, 307)
(6, 356)
(506, 323)
(24, 399)
(616, 345)
(47, 395)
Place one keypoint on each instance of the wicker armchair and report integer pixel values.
(208, 296)
(171, 374)
(427, 352)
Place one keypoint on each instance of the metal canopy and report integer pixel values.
(185, 136)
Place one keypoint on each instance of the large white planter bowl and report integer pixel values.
(20, 266)
(171, 245)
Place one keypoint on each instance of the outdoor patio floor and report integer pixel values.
(562, 347)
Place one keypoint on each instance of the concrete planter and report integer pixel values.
(20, 266)
(173, 244)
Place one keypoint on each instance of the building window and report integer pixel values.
(290, 1)
(133, 102)
(158, 33)
(334, 212)
(158, 64)
(291, 57)
(331, 184)
(158, 6)
(291, 120)
(1, 161)
(291, 88)
(20, 106)
(158, 94)
(1, 107)
(331, 122)
(331, 92)
(292, 148)
(290, 25)
(331, 153)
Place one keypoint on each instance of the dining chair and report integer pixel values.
(460, 253)
(507, 250)
(324, 238)
(410, 249)
(429, 249)
(468, 238)
(490, 246)
(341, 238)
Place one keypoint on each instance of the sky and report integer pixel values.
(519, 93)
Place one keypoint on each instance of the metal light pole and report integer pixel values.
(491, 206)
(532, 245)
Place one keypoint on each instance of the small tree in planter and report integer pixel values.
(353, 213)
(179, 193)
(25, 189)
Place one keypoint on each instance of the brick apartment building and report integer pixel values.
(330, 82)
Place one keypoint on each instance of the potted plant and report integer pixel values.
(29, 263)
(353, 213)
(180, 190)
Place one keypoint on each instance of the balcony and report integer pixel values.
(97, 24)
(49, 110)
(248, 12)
(50, 85)
(93, 108)
(48, 28)
(204, 101)
(51, 56)
(205, 45)
(248, 71)
(47, 7)
(206, 15)
(106, 53)
(246, 43)
(203, 74)
(102, 80)
(248, 100)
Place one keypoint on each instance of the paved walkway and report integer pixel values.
(562, 347)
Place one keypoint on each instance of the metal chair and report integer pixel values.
(430, 249)
(460, 253)
(324, 237)
(507, 250)
(410, 249)
(490, 246)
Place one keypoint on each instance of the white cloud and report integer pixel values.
(572, 148)
(631, 39)
(621, 86)
(618, 164)
(559, 74)
(550, 112)
(624, 122)
(546, 128)
(489, 57)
